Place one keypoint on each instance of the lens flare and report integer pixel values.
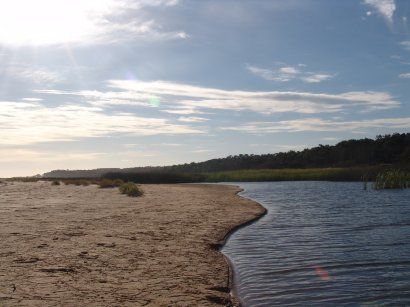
(322, 273)
(154, 102)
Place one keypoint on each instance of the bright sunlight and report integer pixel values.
(45, 22)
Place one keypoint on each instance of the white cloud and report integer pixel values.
(316, 78)
(32, 99)
(405, 44)
(34, 74)
(192, 119)
(138, 4)
(183, 35)
(330, 138)
(28, 123)
(202, 150)
(405, 75)
(317, 124)
(48, 22)
(289, 73)
(150, 29)
(30, 155)
(289, 70)
(268, 74)
(183, 111)
(385, 8)
(190, 98)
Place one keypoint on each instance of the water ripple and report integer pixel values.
(323, 244)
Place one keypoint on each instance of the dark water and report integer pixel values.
(323, 244)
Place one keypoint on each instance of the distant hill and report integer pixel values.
(387, 149)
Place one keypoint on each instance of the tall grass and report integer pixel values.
(156, 177)
(130, 189)
(77, 182)
(110, 183)
(313, 174)
(392, 179)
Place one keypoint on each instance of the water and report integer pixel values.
(323, 244)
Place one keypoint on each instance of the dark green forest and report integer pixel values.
(347, 160)
(387, 149)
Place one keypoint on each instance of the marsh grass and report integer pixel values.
(156, 177)
(130, 189)
(77, 182)
(110, 183)
(311, 174)
(24, 179)
(392, 179)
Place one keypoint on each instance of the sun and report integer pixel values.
(45, 22)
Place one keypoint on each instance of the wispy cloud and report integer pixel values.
(31, 155)
(192, 119)
(150, 29)
(289, 73)
(400, 58)
(319, 125)
(30, 122)
(31, 99)
(405, 75)
(39, 75)
(191, 98)
(52, 22)
(405, 44)
(183, 110)
(198, 151)
(385, 8)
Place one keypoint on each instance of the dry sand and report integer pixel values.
(73, 246)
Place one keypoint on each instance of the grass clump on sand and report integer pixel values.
(109, 183)
(76, 182)
(392, 179)
(130, 189)
(55, 182)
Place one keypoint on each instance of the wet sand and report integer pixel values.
(73, 246)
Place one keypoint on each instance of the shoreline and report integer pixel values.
(83, 245)
(235, 300)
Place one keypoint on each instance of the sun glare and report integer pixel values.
(42, 22)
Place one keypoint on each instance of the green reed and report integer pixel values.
(392, 179)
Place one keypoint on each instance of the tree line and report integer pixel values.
(384, 149)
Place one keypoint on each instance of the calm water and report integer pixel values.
(323, 244)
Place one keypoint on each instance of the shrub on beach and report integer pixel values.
(109, 183)
(76, 182)
(106, 183)
(118, 182)
(84, 182)
(130, 189)
(55, 182)
(68, 181)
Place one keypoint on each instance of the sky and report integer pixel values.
(124, 83)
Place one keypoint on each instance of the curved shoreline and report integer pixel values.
(234, 298)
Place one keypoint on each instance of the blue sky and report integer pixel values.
(122, 83)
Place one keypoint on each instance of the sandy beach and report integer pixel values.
(72, 246)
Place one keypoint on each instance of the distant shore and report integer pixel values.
(73, 245)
